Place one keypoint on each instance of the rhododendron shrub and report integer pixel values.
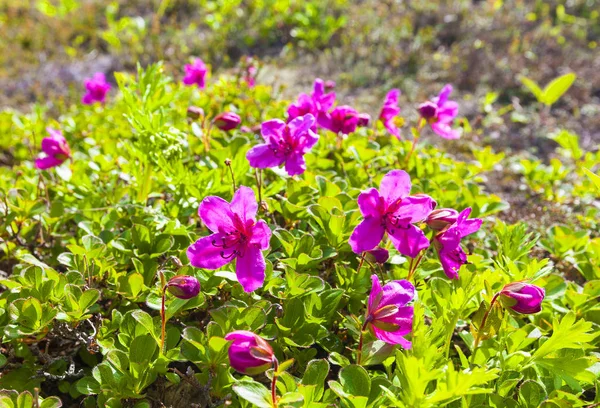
(205, 242)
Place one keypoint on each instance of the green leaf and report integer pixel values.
(533, 88)
(253, 392)
(566, 335)
(88, 298)
(557, 87)
(355, 380)
(146, 321)
(315, 374)
(51, 402)
(594, 177)
(531, 394)
(376, 352)
(142, 349)
(25, 400)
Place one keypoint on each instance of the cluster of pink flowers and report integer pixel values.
(237, 235)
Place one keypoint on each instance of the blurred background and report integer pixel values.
(483, 47)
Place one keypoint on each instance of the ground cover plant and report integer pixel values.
(176, 235)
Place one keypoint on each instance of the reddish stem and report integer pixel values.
(483, 322)
(360, 341)
(274, 382)
(163, 317)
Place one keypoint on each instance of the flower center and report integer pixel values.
(428, 111)
(234, 239)
(284, 146)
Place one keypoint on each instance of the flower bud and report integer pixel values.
(440, 219)
(364, 119)
(329, 85)
(183, 287)
(249, 353)
(522, 297)
(428, 110)
(227, 121)
(194, 112)
(378, 255)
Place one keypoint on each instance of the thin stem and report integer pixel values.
(415, 140)
(360, 341)
(274, 382)
(163, 316)
(483, 322)
(414, 265)
(362, 260)
(228, 164)
(259, 186)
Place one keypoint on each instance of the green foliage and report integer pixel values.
(553, 91)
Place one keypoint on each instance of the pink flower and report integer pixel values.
(378, 255)
(183, 287)
(442, 218)
(389, 111)
(250, 72)
(522, 297)
(227, 121)
(388, 315)
(363, 119)
(285, 143)
(55, 149)
(96, 89)
(342, 119)
(440, 112)
(392, 210)
(318, 101)
(195, 74)
(249, 353)
(447, 242)
(236, 235)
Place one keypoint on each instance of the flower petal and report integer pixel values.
(397, 293)
(452, 261)
(408, 239)
(261, 235)
(367, 235)
(208, 254)
(307, 141)
(272, 130)
(444, 94)
(47, 162)
(414, 209)
(262, 157)
(295, 164)
(244, 204)
(444, 130)
(392, 337)
(216, 214)
(300, 125)
(375, 295)
(250, 269)
(394, 186)
(369, 203)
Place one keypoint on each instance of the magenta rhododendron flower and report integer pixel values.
(250, 72)
(249, 353)
(522, 297)
(440, 112)
(447, 242)
(183, 287)
(363, 119)
(236, 235)
(390, 111)
(227, 121)
(96, 89)
(318, 101)
(378, 255)
(342, 119)
(392, 210)
(388, 315)
(285, 143)
(55, 149)
(441, 218)
(195, 73)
